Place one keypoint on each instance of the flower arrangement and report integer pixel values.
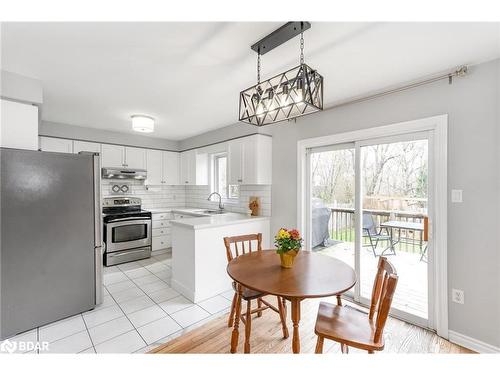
(287, 240)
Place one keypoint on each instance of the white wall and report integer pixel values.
(472, 104)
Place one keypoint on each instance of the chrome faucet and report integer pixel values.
(221, 206)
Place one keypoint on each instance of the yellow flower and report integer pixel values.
(282, 234)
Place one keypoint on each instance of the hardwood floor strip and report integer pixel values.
(267, 337)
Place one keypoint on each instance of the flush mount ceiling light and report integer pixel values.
(294, 93)
(143, 124)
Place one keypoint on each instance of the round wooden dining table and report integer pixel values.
(312, 276)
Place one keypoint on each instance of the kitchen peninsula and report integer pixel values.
(198, 254)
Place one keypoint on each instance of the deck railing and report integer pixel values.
(342, 226)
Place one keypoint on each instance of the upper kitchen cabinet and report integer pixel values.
(56, 145)
(235, 161)
(171, 161)
(194, 168)
(135, 158)
(163, 167)
(79, 146)
(120, 156)
(14, 117)
(112, 156)
(250, 160)
(154, 163)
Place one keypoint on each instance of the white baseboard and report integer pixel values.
(182, 289)
(471, 343)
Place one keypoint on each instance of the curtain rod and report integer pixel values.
(461, 71)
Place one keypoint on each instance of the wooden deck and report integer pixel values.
(411, 293)
(266, 337)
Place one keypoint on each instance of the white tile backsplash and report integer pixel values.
(196, 196)
(154, 197)
(191, 196)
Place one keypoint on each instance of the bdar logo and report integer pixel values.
(8, 346)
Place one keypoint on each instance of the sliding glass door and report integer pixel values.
(332, 190)
(368, 199)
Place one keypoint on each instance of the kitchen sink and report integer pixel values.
(214, 212)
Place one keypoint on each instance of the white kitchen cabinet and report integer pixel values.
(170, 167)
(194, 168)
(250, 160)
(163, 167)
(79, 146)
(188, 167)
(154, 164)
(161, 237)
(18, 125)
(121, 156)
(235, 155)
(56, 145)
(162, 242)
(112, 156)
(135, 158)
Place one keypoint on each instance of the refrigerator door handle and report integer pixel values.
(99, 288)
(98, 232)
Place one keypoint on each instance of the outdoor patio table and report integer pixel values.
(406, 225)
(312, 276)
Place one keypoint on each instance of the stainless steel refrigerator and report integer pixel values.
(50, 237)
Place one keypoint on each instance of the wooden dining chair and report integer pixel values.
(352, 327)
(247, 294)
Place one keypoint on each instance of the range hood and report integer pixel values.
(124, 174)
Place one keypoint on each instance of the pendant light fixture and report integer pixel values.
(143, 124)
(294, 93)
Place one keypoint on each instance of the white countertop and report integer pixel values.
(203, 220)
(180, 210)
(216, 220)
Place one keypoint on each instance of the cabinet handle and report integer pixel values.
(240, 180)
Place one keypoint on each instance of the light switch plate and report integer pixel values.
(458, 296)
(456, 196)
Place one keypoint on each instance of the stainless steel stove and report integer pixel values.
(127, 230)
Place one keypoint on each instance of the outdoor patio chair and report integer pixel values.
(374, 235)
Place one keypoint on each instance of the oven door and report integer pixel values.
(127, 233)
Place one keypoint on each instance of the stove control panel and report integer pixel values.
(121, 201)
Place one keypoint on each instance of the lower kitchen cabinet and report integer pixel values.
(161, 238)
(161, 242)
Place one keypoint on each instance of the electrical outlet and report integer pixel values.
(458, 296)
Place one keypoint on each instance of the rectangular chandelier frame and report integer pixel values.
(294, 93)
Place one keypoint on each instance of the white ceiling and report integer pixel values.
(188, 75)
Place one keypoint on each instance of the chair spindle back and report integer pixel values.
(384, 287)
(242, 249)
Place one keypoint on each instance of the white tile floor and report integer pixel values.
(139, 312)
